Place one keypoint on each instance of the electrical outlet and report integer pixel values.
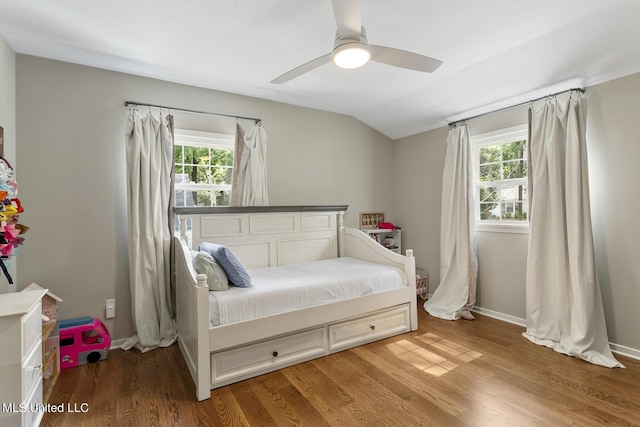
(110, 308)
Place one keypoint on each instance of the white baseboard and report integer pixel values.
(615, 348)
(501, 316)
(629, 352)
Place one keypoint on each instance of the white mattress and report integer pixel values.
(280, 289)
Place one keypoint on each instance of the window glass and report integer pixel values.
(500, 165)
(203, 164)
(91, 336)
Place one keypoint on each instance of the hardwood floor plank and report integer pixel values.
(575, 376)
(418, 376)
(453, 397)
(324, 394)
(365, 393)
(401, 405)
(254, 411)
(464, 377)
(530, 370)
(227, 408)
(463, 373)
(284, 403)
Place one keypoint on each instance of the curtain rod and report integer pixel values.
(517, 105)
(206, 113)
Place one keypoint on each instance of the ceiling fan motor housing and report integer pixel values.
(350, 52)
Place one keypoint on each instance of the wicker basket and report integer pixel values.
(422, 282)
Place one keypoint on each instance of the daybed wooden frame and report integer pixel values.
(220, 355)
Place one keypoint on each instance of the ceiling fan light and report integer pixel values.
(351, 55)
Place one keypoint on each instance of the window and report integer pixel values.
(500, 168)
(91, 336)
(203, 168)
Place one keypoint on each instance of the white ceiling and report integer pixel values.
(495, 52)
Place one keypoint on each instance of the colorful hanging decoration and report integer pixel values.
(11, 231)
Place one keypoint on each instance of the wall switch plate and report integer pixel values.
(110, 308)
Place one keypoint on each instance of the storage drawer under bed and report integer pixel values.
(369, 328)
(254, 359)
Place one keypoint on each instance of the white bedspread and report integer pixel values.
(280, 289)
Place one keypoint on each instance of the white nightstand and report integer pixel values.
(21, 358)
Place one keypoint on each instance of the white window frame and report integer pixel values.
(501, 136)
(192, 138)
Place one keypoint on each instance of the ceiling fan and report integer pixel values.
(351, 49)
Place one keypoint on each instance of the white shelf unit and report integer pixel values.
(390, 239)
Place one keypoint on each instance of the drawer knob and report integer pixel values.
(373, 327)
(275, 354)
(34, 367)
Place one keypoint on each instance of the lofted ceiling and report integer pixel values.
(495, 53)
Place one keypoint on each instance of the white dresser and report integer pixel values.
(21, 358)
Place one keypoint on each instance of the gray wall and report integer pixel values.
(614, 147)
(614, 150)
(70, 121)
(417, 164)
(8, 122)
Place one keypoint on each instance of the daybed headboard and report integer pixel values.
(266, 236)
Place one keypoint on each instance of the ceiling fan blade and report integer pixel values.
(304, 68)
(348, 14)
(403, 59)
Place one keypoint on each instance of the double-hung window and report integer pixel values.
(203, 164)
(500, 169)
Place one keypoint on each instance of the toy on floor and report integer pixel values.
(83, 340)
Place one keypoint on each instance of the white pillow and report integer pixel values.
(231, 265)
(216, 277)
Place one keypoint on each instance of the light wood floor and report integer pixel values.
(463, 373)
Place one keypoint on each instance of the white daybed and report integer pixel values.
(277, 236)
